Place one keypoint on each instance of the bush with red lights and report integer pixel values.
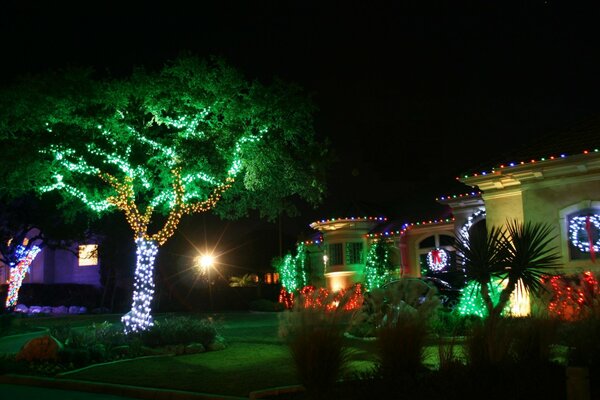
(573, 297)
(321, 298)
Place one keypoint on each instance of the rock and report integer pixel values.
(47, 310)
(59, 310)
(22, 308)
(83, 310)
(43, 348)
(194, 348)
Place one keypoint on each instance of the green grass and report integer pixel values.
(236, 371)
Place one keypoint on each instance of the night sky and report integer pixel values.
(410, 96)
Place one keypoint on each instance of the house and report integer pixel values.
(78, 265)
(561, 190)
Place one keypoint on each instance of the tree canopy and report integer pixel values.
(171, 142)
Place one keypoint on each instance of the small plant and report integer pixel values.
(314, 336)
(407, 311)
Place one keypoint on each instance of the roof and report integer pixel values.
(574, 138)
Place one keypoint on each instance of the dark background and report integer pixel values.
(411, 94)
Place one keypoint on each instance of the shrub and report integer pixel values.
(382, 306)
(180, 330)
(315, 339)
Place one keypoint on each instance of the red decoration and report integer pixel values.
(321, 298)
(572, 296)
(588, 228)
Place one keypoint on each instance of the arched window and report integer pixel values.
(583, 228)
(436, 255)
(580, 232)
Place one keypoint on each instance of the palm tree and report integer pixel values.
(243, 281)
(517, 252)
(481, 255)
(528, 254)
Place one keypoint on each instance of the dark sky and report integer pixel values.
(410, 94)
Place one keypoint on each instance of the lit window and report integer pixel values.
(88, 255)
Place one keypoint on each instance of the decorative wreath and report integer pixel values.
(584, 232)
(437, 259)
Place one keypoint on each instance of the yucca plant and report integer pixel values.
(517, 252)
(482, 256)
(528, 255)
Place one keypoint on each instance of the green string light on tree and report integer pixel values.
(471, 302)
(378, 266)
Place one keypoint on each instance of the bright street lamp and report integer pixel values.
(205, 262)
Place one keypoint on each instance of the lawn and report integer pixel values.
(236, 371)
(255, 359)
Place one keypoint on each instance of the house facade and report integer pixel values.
(78, 265)
(563, 191)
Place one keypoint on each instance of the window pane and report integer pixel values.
(446, 240)
(427, 242)
(335, 254)
(88, 255)
(354, 254)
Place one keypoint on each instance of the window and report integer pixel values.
(437, 255)
(271, 278)
(354, 253)
(88, 255)
(583, 234)
(335, 254)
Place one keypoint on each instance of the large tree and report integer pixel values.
(158, 145)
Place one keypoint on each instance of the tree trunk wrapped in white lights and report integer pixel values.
(139, 318)
(18, 270)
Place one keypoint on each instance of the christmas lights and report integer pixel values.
(18, 270)
(292, 271)
(458, 196)
(471, 302)
(573, 297)
(409, 225)
(349, 219)
(476, 216)
(377, 266)
(584, 233)
(310, 297)
(437, 260)
(124, 184)
(139, 318)
(515, 164)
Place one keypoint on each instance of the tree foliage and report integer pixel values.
(167, 142)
